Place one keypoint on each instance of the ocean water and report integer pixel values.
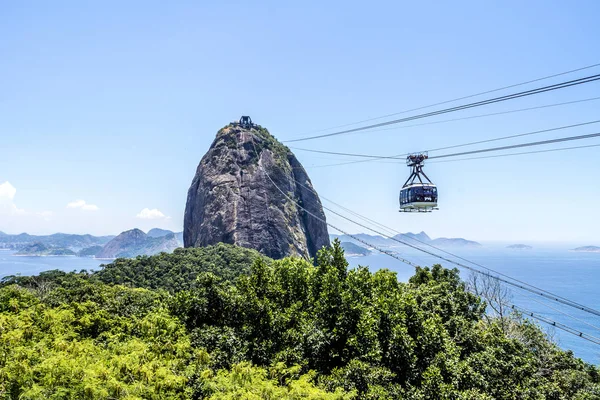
(12, 265)
(575, 276)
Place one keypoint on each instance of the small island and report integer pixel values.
(353, 250)
(39, 249)
(587, 249)
(519, 247)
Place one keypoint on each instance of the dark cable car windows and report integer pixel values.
(418, 196)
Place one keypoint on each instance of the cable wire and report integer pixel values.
(515, 146)
(519, 154)
(558, 325)
(563, 313)
(512, 96)
(448, 147)
(452, 120)
(472, 158)
(458, 99)
(484, 115)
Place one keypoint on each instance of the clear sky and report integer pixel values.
(107, 107)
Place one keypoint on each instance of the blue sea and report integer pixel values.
(573, 275)
(13, 265)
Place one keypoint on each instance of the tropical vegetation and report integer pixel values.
(224, 322)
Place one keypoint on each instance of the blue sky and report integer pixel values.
(107, 108)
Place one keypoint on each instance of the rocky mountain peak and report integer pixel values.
(135, 242)
(239, 195)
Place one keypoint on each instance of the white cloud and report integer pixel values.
(83, 205)
(147, 213)
(76, 204)
(7, 191)
(7, 194)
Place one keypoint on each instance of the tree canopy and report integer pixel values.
(225, 323)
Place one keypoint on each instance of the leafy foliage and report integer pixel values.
(226, 323)
(178, 270)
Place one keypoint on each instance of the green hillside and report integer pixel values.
(226, 323)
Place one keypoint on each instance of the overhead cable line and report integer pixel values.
(558, 325)
(563, 313)
(519, 154)
(515, 146)
(444, 121)
(453, 120)
(448, 147)
(458, 98)
(471, 158)
(553, 323)
(515, 136)
(512, 96)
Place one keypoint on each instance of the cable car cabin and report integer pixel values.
(418, 197)
(418, 192)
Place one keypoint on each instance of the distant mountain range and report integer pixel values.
(127, 244)
(135, 242)
(351, 249)
(418, 238)
(60, 240)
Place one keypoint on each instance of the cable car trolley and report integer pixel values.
(418, 196)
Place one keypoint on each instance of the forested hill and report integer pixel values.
(223, 322)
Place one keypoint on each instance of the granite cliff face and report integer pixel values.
(233, 200)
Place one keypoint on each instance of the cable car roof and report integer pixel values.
(419, 185)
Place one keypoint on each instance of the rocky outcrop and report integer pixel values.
(134, 242)
(246, 191)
